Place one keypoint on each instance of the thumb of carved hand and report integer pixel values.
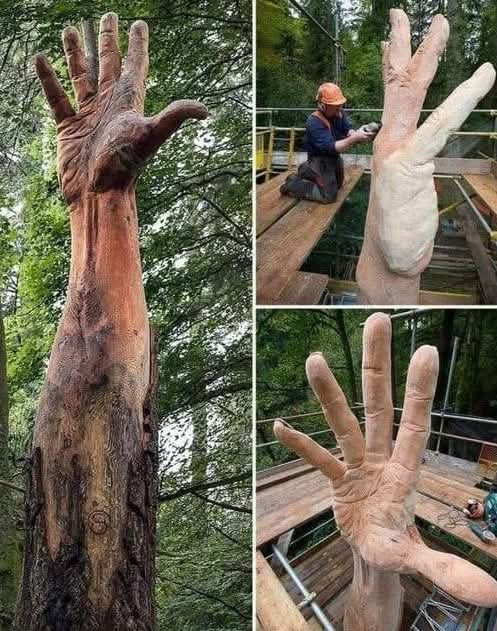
(403, 184)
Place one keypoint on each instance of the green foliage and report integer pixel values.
(289, 75)
(285, 339)
(195, 233)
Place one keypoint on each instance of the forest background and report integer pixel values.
(294, 56)
(195, 232)
(285, 339)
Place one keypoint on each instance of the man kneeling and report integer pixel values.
(328, 133)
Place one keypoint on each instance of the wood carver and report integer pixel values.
(402, 217)
(91, 498)
(373, 490)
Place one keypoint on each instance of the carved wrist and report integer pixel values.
(375, 600)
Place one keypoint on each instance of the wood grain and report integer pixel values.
(275, 609)
(283, 248)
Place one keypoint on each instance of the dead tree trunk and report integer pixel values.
(92, 479)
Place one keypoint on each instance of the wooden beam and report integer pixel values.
(485, 186)
(425, 297)
(443, 166)
(483, 262)
(275, 609)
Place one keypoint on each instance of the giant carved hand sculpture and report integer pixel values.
(373, 489)
(91, 499)
(103, 145)
(402, 217)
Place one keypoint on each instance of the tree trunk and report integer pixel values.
(92, 479)
(9, 552)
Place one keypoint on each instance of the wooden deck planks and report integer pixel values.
(296, 500)
(275, 609)
(283, 248)
(435, 512)
(304, 288)
(485, 186)
(271, 204)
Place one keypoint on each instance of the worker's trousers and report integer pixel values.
(318, 179)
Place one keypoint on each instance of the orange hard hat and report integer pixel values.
(330, 94)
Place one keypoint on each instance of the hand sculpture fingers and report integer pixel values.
(336, 410)
(377, 387)
(108, 50)
(56, 97)
(415, 422)
(425, 60)
(457, 577)
(309, 450)
(78, 66)
(163, 125)
(432, 135)
(399, 49)
(136, 67)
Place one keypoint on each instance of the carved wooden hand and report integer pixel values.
(402, 216)
(92, 485)
(104, 144)
(373, 489)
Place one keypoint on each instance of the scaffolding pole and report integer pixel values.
(447, 389)
(308, 597)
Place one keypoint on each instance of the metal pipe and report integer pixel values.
(413, 333)
(265, 110)
(304, 11)
(306, 414)
(447, 389)
(466, 438)
(468, 199)
(403, 314)
(309, 598)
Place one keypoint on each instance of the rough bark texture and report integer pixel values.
(402, 217)
(92, 475)
(91, 499)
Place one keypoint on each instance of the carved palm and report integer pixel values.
(104, 144)
(373, 488)
(403, 191)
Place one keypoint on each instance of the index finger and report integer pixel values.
(431, 137)
(336, 410)
(415, 422)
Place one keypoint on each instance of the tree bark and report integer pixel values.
(92, 479)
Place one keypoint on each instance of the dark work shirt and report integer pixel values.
(319, 140)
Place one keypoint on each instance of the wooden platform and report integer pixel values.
(485, 186)
(287, 232)
(285, 501)
(425, 297)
